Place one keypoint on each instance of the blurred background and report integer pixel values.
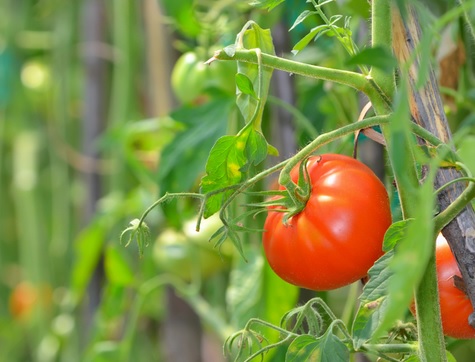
(105, 105)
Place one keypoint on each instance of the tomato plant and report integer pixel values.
(338, 236)
(455, 306)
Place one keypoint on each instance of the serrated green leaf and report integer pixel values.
(379, 276)
(378, 57)
(304, 15)
(367, 320)
(373, 301)
(228, 159)
(255, 148)
(223, 169)
(327, 348)
(244, 85)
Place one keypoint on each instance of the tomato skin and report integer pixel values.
(455, 306)
(338, 236)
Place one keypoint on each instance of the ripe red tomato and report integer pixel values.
(338, 236)
(22, 300)
(455, 307)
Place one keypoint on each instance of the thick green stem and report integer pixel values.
(381, 37)
(431, 339)
(326, 138)
(390, 348)
(351, 79)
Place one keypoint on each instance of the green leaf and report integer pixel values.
(327, 348)
(394, 234)
(256, 291)
(184, 158)
(266, 4)
(117, 270)
(302, 44)
(244, 85)
(228, 159)
(373, 301)
(244, 292)
(88, 249)
(278, 298)
(412, 358)
(303, 15)
(378, 57)
(223, 169)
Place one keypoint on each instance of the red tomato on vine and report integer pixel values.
(339, 234)
(455, 306)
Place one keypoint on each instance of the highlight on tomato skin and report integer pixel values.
(455, 306)
(338, 236)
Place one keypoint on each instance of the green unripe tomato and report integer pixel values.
(191, 78)
(183, 253)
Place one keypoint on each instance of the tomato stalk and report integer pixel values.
(348, 78)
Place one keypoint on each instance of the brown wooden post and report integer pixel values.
(427, 111)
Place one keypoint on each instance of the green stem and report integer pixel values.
(443, 187)
(431, 339)
(322, 140)
(446, 216)
(351, 79)
(382, 37)
(166, 198)
(391, 348)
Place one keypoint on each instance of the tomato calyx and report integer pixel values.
(298, 194)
